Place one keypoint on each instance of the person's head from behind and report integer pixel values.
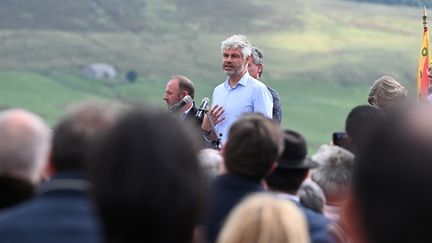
(236, 51)
(256, 65)
(254, 144)
(360, 124)
(262, 218)
(387, 94)
(78, 131)
(312, 196)
(391, 187)
(177, 88)
(211, 163)
(334, 175)
(146, 186)
(24, 145)
(293, 166)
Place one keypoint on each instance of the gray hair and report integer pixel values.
(210, 162)
(312, 196)
(257, 56)
(388, 90)
(334, 174)
(24, 145)
(238, 41)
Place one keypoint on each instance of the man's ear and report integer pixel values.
(48, 171)
(183, 94)
(260, 69)
(273, 167)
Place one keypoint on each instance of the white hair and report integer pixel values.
(238, 41)
(24, 145)
(334, 174)
(257, 56)
(312, 196)
(210, 161)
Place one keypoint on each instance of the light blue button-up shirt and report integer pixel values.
(249, 95)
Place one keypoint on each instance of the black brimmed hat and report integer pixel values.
(294, 155)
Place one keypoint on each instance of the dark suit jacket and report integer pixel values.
(277, 109)
(228, 190)
(318, 226)
(63, 213)
(14, 191)
(190, 116)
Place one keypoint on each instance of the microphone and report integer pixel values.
(202, 108)
(187, 99)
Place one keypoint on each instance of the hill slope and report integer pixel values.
(321, 55)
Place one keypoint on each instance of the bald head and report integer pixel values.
(24, 145)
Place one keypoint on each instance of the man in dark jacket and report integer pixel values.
(62, 210)
(255, 69)
(254, 144)
(177, 88)
(285, 181)
(24, 147)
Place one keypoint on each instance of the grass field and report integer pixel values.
(321, 55)
(310, 107)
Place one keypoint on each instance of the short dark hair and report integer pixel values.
(288, 180)
(392, 179)
(185, 84)
(361, 123)
(78, 131)
(145, 183)
(254, 143)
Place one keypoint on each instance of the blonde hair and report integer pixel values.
(263, 218)
(387, 91)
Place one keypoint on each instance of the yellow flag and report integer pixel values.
(422, 76)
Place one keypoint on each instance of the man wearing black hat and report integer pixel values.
(292, 170)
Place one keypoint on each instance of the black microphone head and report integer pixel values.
(202, 108)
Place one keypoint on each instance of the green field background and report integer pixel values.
(320, 55)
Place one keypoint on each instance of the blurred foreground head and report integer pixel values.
(392, 181)
(78, 131)
(360, 124)
(254, 145)
(263, 218)
(24, 145)
(147, 181)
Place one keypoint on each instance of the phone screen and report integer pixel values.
(340, 139)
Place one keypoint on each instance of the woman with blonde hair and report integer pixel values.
(386, 93)
(263, 218)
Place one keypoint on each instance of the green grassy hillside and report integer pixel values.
(315, 109)
(321, 55)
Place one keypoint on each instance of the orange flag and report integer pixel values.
(425, 58)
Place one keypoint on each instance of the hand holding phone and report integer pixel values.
(340, 139)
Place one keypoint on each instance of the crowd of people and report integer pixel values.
(118, 172)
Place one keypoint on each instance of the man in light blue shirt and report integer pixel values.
(240, 93)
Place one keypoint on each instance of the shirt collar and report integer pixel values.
(292, 197)
(184, 113)
(243, 81)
